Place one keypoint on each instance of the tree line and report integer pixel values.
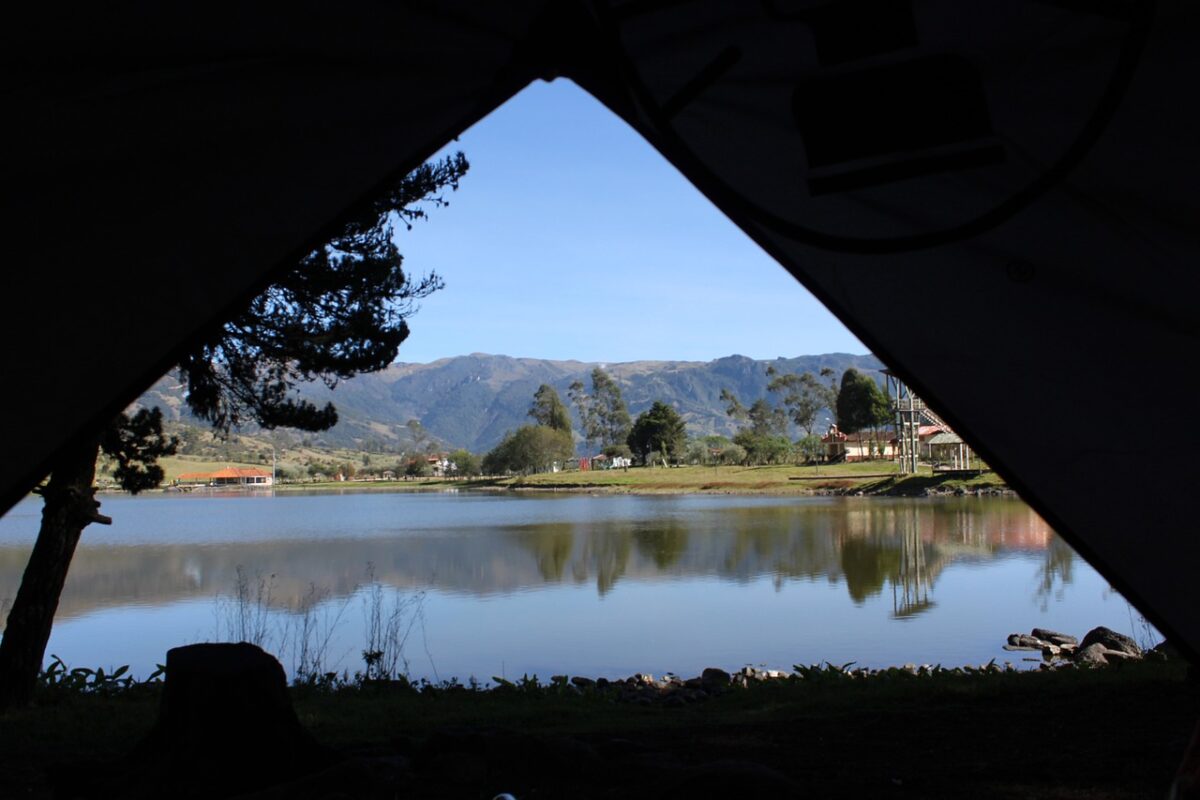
(856, 404)
(606, 427)
(659, 434)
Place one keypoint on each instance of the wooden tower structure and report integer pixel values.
(908, 409)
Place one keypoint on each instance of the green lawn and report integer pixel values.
(874, 477)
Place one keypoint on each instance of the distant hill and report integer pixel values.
(471, 401)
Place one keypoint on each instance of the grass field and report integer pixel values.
(867, 478)
(873, 477)
(878, 477)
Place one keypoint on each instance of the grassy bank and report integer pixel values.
(1113, 733)
(868, 478)
(872, 478)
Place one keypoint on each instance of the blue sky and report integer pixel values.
(571, 237)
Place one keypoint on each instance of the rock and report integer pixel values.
(582, 682)
(1051, 651)
(713, 678)
(1024, 640)
(1118, 655)
(1092, 656)
(1165, 651)
(1053, 637)
(1111, 641)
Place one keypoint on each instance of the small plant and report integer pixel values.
(246, 616)
(389, 621)
(60, 678)
(312, 635)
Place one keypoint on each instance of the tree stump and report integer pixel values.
(226, 726)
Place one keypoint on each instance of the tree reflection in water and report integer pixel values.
(1055, 574)
(869, 544)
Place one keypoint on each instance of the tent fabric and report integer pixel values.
(998, 198)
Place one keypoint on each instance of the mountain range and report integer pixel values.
(471, 401)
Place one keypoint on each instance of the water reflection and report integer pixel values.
(870, 546)
(1055, 573)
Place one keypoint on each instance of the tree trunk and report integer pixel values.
(69, 505)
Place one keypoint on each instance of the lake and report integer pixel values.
(495, 584)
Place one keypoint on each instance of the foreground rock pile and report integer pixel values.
(1099, 648)
(672, 690)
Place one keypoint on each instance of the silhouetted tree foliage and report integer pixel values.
(658, 430)
(340, 311)
(548, 409)
(136, 443)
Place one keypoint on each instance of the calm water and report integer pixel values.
(592, 585)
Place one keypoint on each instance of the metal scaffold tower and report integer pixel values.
(910, 412)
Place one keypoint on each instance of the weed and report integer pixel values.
(314, 630)
(389, 621)
(245, 616)
(60, 678)
(1143, 631)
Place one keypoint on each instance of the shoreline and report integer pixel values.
(854, 480)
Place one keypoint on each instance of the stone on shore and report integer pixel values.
(1053, 637)
(1092, 656)
(1111, 640)
(714, 678)
(1165, 651)
(1022, 640)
